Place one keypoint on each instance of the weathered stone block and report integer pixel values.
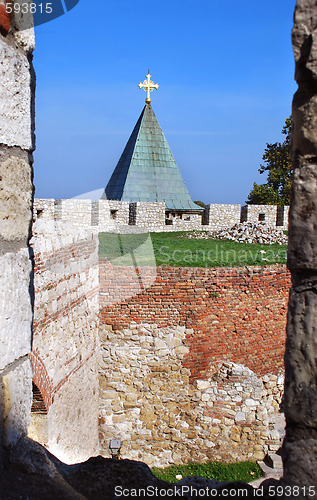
(16, 205)
(16, 97)
(15, 306)
(17, 400)
(301, 384)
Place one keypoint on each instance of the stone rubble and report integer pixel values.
(245, 232)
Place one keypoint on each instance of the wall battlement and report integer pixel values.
(125, 217)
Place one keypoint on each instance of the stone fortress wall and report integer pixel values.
(192, 366)
(122, 216)
(178, 363)
(190, 360)
(34, 465)
(65, 349)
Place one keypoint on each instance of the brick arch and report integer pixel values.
(41, 379)
(38, 403)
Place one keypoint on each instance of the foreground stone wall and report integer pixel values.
(257, 213)
(36, 475)
(16, 194)
(222, 216)
(65, 344)
(300, 446)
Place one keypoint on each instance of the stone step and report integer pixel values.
(274, 461)
(272, 471)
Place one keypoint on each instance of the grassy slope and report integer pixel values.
(174, 250)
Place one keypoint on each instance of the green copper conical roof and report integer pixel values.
(147, 170)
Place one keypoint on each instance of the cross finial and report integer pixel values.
(148, 86)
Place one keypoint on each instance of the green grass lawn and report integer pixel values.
(243, 471)
(172, 249)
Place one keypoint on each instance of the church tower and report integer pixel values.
(146, 170)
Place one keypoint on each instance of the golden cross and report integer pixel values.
(148, 86)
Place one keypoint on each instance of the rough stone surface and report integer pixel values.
(244, 232)
(300, 446)
(234, 314)
(31, 472)
(16, 192)
(15, 306)
(16, 98)
(78, 212)
(256, 213)
(35, 474)
(73, 416)
(219, 216)
(22, 27)
(16, 401)
(15, 208)
(250, 232)
(147, 214)
(161, 417)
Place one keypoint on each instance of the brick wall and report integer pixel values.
(5, 18)
(234, 314)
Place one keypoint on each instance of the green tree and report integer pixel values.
(277, 162)
(200, 203)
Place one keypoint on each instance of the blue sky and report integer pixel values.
(226, 75)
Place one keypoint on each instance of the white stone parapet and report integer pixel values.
(125, 217)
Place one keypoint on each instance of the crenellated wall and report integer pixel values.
(125, 217)
(147, 215)
(222, 216)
